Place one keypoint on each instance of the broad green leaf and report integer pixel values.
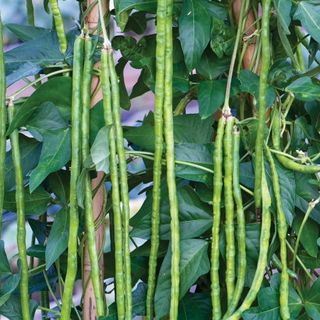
(247, 174)
(194, 29)
(100, 150)
(124, 97)
(35, 203)
(55, 153)
(47, 92)
(308, 12)
(37, 251)
(8, 287)
(30, 152)
(268, 300)
(250, 83)
(283, 8)
(137, 22)
(26, 33)
(5, 269)
(312, 300)
(12, 308)
(198, 154)
(138, 303)
(194, 262)
(211, 96)
(47, 117)
(32, 56)
(59, 185)
(57, 241)
(309, 235)
(96, 121)
(304, 89)
(216, 9)
(195, 216)
(195, 306)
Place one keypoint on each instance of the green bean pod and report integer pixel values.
(57, 16)
(217, 190)
(229, 207)
(241, 228)
(171, 178)
(282, 232)
(286, 162)
(158, 124)
(263, 252)
(3, 120)
(30, 12)
(115, 192)
(21, 223)
(75, 171)
(89, 216)
(116, 112)
(263, 84)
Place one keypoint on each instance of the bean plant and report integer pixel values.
(226, 161)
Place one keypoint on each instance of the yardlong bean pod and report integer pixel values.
(241, 227)
(116, 112)
(115, 191)
(58, 21)
(3, 120)
(285, 161)
(75, 171)
(282, 232)
(89, 217)
(263, 84)
(229, 207)
(171, 178)
(21, 223)
(157, 166)
(263, 251)
(217, 190)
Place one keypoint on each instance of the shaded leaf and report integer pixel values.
(304, 89)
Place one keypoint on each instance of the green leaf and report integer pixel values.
(47, 117)
(5, 269)
(35, 203)
(283, 8)
(250, 83)
(137, 22)
(12, 308)
(309, 235)
(211, 96)
(26, 33)
(312, 300)
(124, 97)
(195, 306)
(32, 56)
(30, 153)
(304, 89)
(194, 29)
(194, 263)
(47, 92)
(195, 216)
(8, 287)
(308, 12)
(100, 150)
(59, 185)
(58, 238)
(138, 303)
(37, 251)
(96, 121)
(55, 153)
(268, 300)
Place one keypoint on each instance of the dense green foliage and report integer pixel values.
(239, 210)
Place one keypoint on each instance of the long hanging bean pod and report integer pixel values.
(3, 119)
(59, 25)
(229, 208)
(241, 227)
(171, 178)
(30, 12)
(117, 220)
(265, 65)
(75, 171)
(282, 232)
(286, 162)
(158, 123)
(89, 218)
(263, 252)
(217, 190)
(21, 224)
(116, 112)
